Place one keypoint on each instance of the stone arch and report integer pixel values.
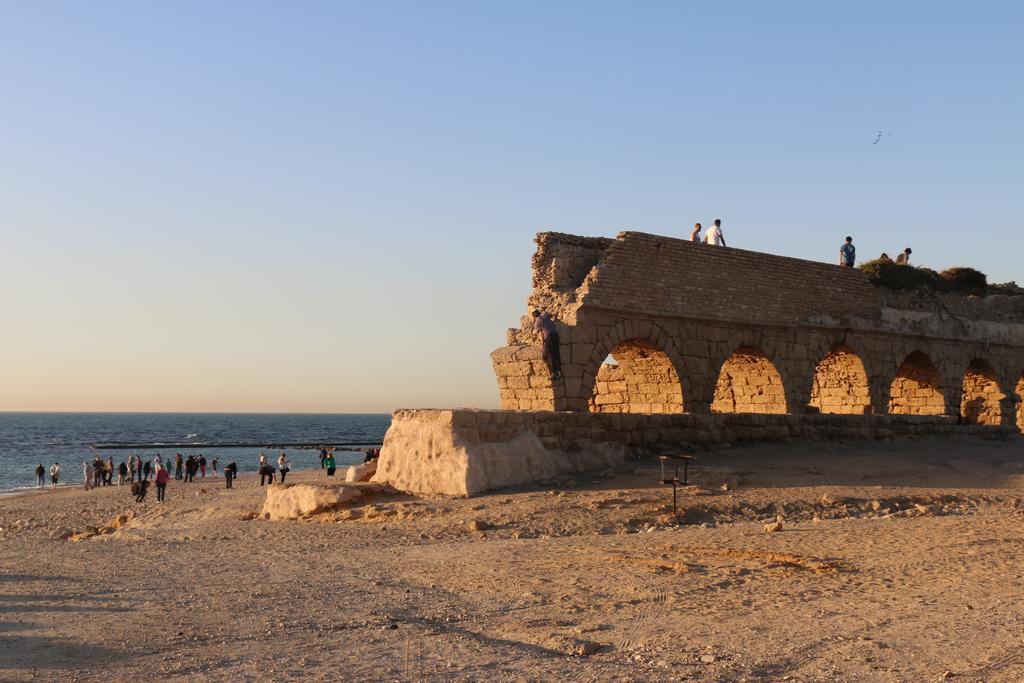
(980, 402)
(749, 383)
(917, 388)
(624, 342)
(840, 383)
(1019, 390)
(642, 380)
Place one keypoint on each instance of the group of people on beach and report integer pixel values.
(54, 475)
(267, 471)
(139, 473)
(101, 472)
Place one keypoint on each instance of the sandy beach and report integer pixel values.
(895, 562)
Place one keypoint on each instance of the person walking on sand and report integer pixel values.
(323, 457)
(202, 466)
(86, 475)
(131, 469)
(263, 459)
(213, 464)
(54, 475)
(714, 234)
(847, 253)
(695, 233)
(161, 483)
(230, 470)
(330, 464)
(122, 473)
(178, 463)
(266, 474)
(146, 469)
(544, 328)
(109, 470)
(41, 475)
(282, 465)
(97, 472)
(904, 258)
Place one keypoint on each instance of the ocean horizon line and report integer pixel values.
(187, 412)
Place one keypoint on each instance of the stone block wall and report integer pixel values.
(642, 381)
(1020, 404)
(916, 388)
(982, 398)
(524, 381)
(749, 383)
(465, 452)
(841, 384)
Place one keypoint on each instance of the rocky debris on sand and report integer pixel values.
(361, 472)
(301, 500)
(112, 525)
(572, 646)
(478, 525)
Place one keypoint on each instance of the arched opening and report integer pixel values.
(980, 402)
(638, 377)
(841, 384)
(749, 383)
(916, 390)
(1020, 403)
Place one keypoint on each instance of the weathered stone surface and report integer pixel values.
(422, 456)
(363, 472)
(292, 501)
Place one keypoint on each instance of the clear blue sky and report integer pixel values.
(330, 206)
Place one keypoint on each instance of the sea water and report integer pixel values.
(28, 439)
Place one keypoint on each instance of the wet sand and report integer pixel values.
(895, 562)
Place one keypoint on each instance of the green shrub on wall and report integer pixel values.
(1010, 288)
(895, 276)
(965, 281)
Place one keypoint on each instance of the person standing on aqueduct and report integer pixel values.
(847, 253)
(544, 327)
(714, 234)
(695, 235)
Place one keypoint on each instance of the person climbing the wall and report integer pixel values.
(904, 258)
(544, 327)
(714, 234)
(847, 253)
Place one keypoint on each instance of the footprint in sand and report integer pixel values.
(651, 612)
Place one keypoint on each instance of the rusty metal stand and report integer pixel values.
(675, 482)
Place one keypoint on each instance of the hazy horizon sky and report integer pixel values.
(330, 206)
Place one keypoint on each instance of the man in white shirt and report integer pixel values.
(714, 234)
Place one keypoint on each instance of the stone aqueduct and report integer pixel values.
(651, 324)
(668, 344)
